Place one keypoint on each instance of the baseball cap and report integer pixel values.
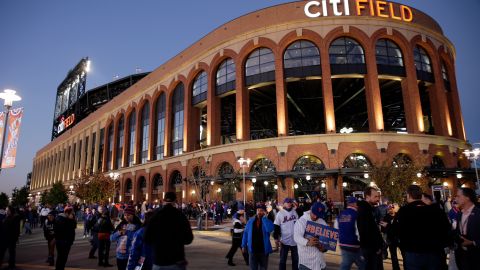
(288, 200)
(318, 209)
(351, 199)
(262, 206)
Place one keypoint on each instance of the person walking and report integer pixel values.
(371, 240)
(49, 234)
(64, 229)
(92, 220)
(237, 234)
(310, 251)
(43, 214)
(140, 254)
(103, 227)
(123, 235)
(10, 231)
(389, 226)
(256, 239)
(87, 216)
(348, 241)
(167, 233)
(467, 232)
(423, 233)
(283, 234)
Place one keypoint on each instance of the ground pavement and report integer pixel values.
(207, 251)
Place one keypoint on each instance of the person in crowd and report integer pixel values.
(28, 220)
(87, 216)
(123, 235)
(256, 239)
(283, 233)
(200, 214)
(237, 234)
(44, 213)
(389, 228)
(10, 231)
(103, 228)
(348, 241)
(371, 240)
(310, 251)
(168, 225)
(64, 229)
(423, 232)
(93, 232)
(448, 204)
(427, 199)
(467, 232)
(271, 214)
(140, 253)
(49, 234)
(453, 213)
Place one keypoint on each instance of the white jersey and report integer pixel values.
(286, 220)
(308, 256)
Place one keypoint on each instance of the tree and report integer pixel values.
(3, 200)
(44, 197)
(94, 188)
(57, 194)
(20, 196)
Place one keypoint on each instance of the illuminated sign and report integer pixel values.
(383, 9)
(65, 123)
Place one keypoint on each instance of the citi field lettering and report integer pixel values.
(383, 9)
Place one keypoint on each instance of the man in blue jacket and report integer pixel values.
(257, 239)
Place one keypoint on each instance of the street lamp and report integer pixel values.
(244, 163)
(115, 177)
(473, 155)
(9, 96)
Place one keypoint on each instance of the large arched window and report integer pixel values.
(120, 140)
(357, 161)
(175, 180)
(177, 120)
(308, 163)
(160, 127)
(389, 58)
(225, 171)
(145, 132)
(260, 67)
(132, 122)
(437, 163)
(263, 166)
(347, 56)
(423, 64)
(302, 59)
(225, 77)
(157, 187)
(199, 89)
(110, 147)
(446, 79)
(401, 160)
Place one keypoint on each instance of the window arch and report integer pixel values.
(357, 161)
(346, 56)
(225, 170)
(308, 163)
(260, 66)
(120, 140)
(175, 179)
(225, 77)
(263, 166)
(446, 78)
(423, 64)
(199, 89)
(157, 182)
(110, 147)
(177, 120)
(437, 163)
(302, 59)
(389, 58)
(401, 160)
(128, 186)
(132, 122)
(145, 132)
(160, 112)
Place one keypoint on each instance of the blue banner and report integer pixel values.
(327, 236)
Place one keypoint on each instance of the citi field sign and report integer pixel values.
(383, 9)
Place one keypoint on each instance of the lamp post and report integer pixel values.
(115, 177)
(473, 155)
(244, 163)
(9, 97)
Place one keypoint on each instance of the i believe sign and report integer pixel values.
(383, 9)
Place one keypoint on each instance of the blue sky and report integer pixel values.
(41, 40)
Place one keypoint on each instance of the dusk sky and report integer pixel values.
(40, 41)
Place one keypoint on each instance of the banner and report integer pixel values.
(2, 125)
(327, 236)
(10, 151)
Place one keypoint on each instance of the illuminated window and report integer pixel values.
(160, 114)
(225, 77)
(145, 132)
(177, 121)
(131, 146)
(200, 86)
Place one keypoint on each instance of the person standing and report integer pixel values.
(93, 232)
(49, 234)
(167, 233)
(64, 229)
(467, 232)
(140, 254)
(103, 228)
(11, 232)
(423, 232)
(43, 214)
(371, 240)
(389, 226)
(283, 233)
(310, 251)
(348, 241)
(256, 239)
(238, 228)
(87, 216)
(123, 235)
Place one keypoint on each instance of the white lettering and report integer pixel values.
(347, 7)
(324, 8)
(334, 4)
(307, 9)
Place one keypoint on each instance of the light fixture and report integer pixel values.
(193, 192)
(71, 186)
(419, 175)
(344, 184)
(366, 176)
(346, 130)
(459, 175)
(308, 177)
(38, 193)
(464, 186)
(372, 184)
(323, 185)
(414, 183)
(9, 96)
(275, 187)
(295, 186)
(445, 184)
(254, 180)
(219, 190)
(265, 183)
(211, 183)
(252, 188)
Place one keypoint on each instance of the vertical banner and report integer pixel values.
(2, 125)
(10, 151)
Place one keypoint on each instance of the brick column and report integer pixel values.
(138, 135)
(459, 130)
(213, 112)
(328, 104)
(152, 131)
(334, 192)
(281, 97)
(372, 92)
(242, 104)
(440, 105)
(411, 96)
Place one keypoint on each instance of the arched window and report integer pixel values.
(423, 64)
(357, 161)
(346, 56)
(446, 78)
(110, 147)
(199, 89)
(157, 182)
(175, 179)
(177, 120)
(160, 127)
(308, 163)
(401, 160)
(437, 163)
(132, 122)
(302, 59)
(263, 166)
(389, 58)
(145, 132)
(128, 187)
(120, 141)
(225, 77)
(260, 67)
(225, 171)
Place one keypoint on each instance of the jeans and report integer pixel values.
(11, 253)
(423, 261)
(284, 255)
(63, 249)
(373, 261)
(258, 261)
(103, 251)
(199, 223)
(94, 243)
(351, 256)
(393, 255)
(169, 267)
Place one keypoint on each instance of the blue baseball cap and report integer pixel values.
(318, 209)
(351, 199)
(288, 200)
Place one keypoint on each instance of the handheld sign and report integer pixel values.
(327, 236)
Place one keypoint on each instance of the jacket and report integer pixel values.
(124, 240)
(473, 230)
(370, 237)
(140, 251)
(64, 229)
(48, 230)
(267, 228)
(347, 226)
(103, 224)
